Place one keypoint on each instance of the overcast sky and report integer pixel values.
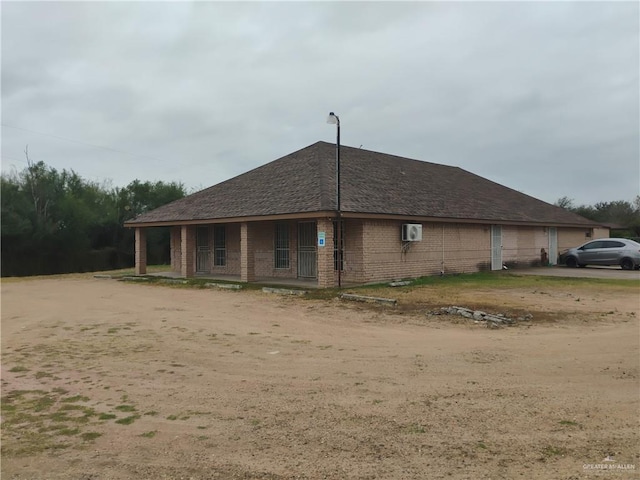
(540, 97)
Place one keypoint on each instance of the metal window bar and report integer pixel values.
(202, 250)
(219, 246)
(335, 245)
(281, 247)
(307, 254)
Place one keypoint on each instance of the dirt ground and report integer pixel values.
(107, 380)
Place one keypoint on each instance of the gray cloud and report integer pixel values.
(542, 97)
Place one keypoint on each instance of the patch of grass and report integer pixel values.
(113, 330)
(128, 420)
(415, 429)
(106, 416)
(552, 451)
(43, 403)
(89, 436)
(43, 375)
(481, 445)
(126, 408)
(68, 413)
(152, 413)
(31, 424)
(150, 434)
(19, 368)
(75, 398)
(172, 417)
(569, 423)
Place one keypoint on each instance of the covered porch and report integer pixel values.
(278, 251)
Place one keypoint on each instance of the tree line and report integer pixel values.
(622, 216)
(58, 222)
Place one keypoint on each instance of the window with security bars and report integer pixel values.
(219, 245)
(335, 245)
(281, 247)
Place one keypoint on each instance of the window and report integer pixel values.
(281, 246)
(593, 245)
(612, 244)
(219, 246)
(335, 246)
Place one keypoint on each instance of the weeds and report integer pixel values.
(18, 369)
(127, 420)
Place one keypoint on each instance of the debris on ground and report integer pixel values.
(491, 320)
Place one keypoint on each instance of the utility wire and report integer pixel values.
(79, 142)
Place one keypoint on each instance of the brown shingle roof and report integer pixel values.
(371, 182)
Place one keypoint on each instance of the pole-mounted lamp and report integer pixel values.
(333, 119)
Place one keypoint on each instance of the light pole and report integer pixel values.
(334, 119)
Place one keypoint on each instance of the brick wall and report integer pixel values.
(601, 232)
(571, 237)
(232, 245)
(176, 254)
(188, 250)
(521, 245)
(140, 251)
(247, 252)
(327, 276)
(374, 250)
(353, 251)
(264, 244)
(452, 248)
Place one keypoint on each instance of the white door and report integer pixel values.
(553, 246)
(496, 247)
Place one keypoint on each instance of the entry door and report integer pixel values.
(496, 247)
(307, 254)
(553, 246)
(203, 264)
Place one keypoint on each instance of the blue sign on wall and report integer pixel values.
(321, 239)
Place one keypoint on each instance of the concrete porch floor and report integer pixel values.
(289, 282)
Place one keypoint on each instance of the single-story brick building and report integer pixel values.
(401, 218)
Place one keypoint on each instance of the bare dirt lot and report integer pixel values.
(107, 380)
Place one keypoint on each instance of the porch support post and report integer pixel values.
(187, 251)
(247, 257)
(141, 251)
(326, 271)
(176, 249)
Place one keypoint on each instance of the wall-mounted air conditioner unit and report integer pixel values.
(412, 232)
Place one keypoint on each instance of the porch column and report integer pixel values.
(141, 251)
(326, 271)
(176, 249)
(247, 257)
(187, 251)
